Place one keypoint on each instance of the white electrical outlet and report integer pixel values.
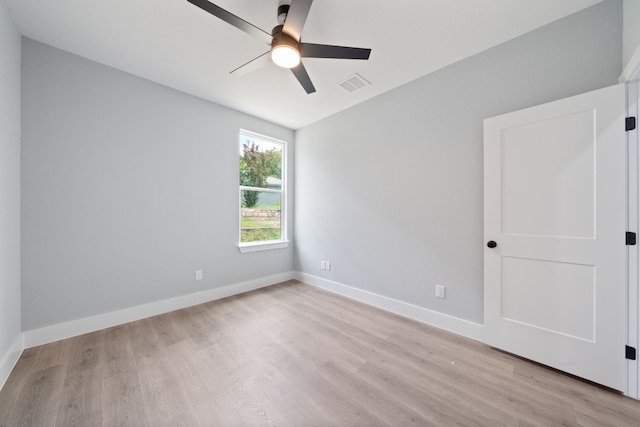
(440, 291)
(323, 265)
(198, 274)
(328, 265)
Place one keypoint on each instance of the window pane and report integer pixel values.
(260, 217)
(260, 163)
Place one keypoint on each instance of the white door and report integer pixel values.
(555, 206)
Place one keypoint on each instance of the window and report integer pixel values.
(262, 192)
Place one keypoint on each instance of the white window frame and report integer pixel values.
(283, 242)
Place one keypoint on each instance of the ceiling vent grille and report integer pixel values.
(354, 82)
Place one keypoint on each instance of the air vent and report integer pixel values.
(354, 82)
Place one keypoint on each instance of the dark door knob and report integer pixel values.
(491, 244)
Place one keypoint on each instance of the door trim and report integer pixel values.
(633, 254)
(631, 71)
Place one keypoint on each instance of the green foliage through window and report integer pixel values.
(255, 167)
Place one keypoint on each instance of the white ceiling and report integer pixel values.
(174, 43)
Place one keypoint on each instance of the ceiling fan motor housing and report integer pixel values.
(280, 39)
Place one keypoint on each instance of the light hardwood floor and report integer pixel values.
(291, 354)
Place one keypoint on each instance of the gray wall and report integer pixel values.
(391, 191)
(127, 188)
(9, 183)
(631, 28)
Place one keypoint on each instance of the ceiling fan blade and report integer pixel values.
(253, 65)
(296, 17)
(303, 77)
(232, 19)
(311, 50)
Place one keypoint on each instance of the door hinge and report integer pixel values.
(630, 124)
(630, 353)
(630, 238)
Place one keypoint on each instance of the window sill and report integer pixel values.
(262, 246)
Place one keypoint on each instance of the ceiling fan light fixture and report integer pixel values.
(285, 53)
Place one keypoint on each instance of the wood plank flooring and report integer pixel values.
(293, 355)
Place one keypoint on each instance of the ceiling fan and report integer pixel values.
(286, 47)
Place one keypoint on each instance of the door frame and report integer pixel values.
(633, 254)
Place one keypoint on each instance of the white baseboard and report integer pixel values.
(11, 358)
(73, 328)
(421, 314)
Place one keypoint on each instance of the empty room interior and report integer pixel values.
(430, 220)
